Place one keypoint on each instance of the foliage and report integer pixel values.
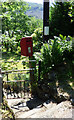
(61, 19)
(12, 15)
(52, 53)
(56, 67)
(9, 66)
(34, 24)
(37, 39)
(46, 58)
(59, 46)
(16, 24)
(9, 44)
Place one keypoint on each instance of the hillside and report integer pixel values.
(35, 10)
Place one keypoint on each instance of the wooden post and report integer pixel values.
(45, 20)
(39, 70)
(1, 90)
(7, 76)
(31, 76)
(7, 83)
(13, 89)
(20, 88)
(24, 88)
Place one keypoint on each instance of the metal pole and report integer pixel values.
(45, 20)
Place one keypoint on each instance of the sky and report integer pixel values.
(34, 1)
(37, 1)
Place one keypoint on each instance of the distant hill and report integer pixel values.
(35, 10)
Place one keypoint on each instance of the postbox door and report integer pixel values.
(23, 47)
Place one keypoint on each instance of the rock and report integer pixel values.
(16, 102)
(72, 101)
(34, 102)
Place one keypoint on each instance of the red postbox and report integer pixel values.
(26, 46)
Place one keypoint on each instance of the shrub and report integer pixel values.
(52, 53)
(37, 39)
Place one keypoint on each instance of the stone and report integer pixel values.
(72, 101)
(34, 102)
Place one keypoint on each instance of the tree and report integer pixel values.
(16, 24)
(60, 20)
(37, 37)
(14, 19)
(33, 24)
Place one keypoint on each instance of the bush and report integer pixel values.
(61, 19)
(55, 66)
(37, 39)
(53, 54)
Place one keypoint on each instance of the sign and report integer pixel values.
(46, 30)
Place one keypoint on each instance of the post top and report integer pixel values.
(45, 0)
(0, 70)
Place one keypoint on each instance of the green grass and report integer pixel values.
(16, 65)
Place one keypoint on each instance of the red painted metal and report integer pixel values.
(26, 46)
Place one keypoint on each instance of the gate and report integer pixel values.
(16, 89)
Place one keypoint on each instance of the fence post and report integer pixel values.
(24, 88)
(31, 77)
(7, 76)
(39, 70)
(1, 89)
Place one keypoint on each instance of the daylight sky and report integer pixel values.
(34, 1)
(37, 1)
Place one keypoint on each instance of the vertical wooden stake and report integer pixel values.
(24, 88)
(1, 90)
(31, 76)
(39, 71)
(7, 76)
